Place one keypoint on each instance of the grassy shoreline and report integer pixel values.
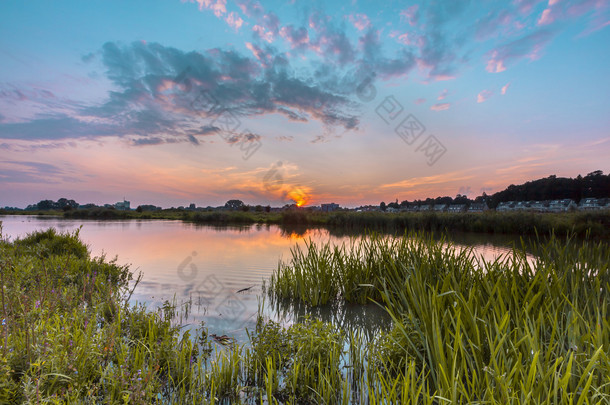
(594, 223)
(510, 331)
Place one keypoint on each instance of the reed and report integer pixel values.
(508, 331)
(525, 328)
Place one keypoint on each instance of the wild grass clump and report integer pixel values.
(68, 334)
(594, 223)
(514, 330)
(525, 328)
(299, 364)
(355, 272)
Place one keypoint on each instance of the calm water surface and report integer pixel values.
(209, 265)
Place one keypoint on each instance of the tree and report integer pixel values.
(46, 205)
(234, 204)
(461, 199)
(382, 206)
(139, 209)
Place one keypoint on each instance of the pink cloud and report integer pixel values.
(549, 14)
(165, 85)
(505, 87)
(494, 65)
(528, 46)
(484, 96)
(219, 7)
(298, 38)
(404, 39)
(525, 6)
(259, 54)
(443, 94)
(442, 78)
(234, 21)
(263, 34)
(546, 17)
(272, 22)
(420, 101)
(410, 15)
(251, 8)
(599, 15)
(360, 21)
(440, 107)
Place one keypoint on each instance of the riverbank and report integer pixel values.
(508, 331)
(594, 223)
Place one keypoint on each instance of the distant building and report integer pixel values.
(329, 207)
(457, 208)
(425, 207)
(538, 206)
(561, 205)
(590, 204)
(122, 205)
(441, 207)
(478, 207)
(522, 206)
(505, 206)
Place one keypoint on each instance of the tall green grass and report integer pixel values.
(513, 331)
(508, 331)
(69, 334)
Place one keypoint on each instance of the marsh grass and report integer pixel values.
(508, 331)
(69, 334)
(511, 331)
(581, 223)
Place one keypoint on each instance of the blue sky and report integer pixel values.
(172, 102)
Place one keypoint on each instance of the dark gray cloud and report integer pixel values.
(237, 138)
(164, 93)
(192, 139)
(159, 82)
(373, 59)
(156, 90)
(208, 129)
(147, 141)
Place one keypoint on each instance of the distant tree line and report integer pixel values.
(61, 204)
(593, 185)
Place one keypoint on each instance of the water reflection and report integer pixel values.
(218, 271)
(369, 319)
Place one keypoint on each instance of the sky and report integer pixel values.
(171, 102)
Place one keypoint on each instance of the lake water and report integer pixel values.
(209, 265)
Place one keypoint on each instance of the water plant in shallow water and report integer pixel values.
(516, 330)
(508, 331)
